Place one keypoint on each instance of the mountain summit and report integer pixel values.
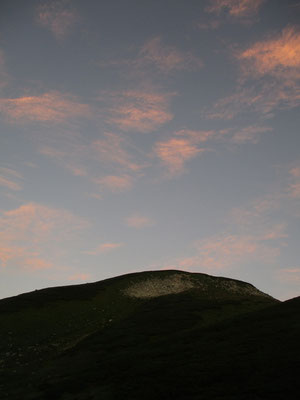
(149, 335)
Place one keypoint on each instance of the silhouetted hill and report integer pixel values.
(150, 335)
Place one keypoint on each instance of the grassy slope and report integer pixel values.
(92, 340)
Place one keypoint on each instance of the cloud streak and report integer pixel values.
(4, 77)
(278, 56)
(176, 151)
(110, 162)
(249, 134)
(115, 183)
(294, 185)
(290, 275)
(104, 248)
(235, 8)
(227, 251)
(58, 17)
(270, 78)
(166, 58)
(139, 221)
(32, 234)
(111, 149)
(10, 179)
(52, 106)
(139, 111)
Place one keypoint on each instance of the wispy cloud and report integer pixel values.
(36, 264)
(111, 162)
(256, 212)
(79, 277)
(115, 183)
(270, 78)
(262, 98)
(36, 222)
(104, 248)
(235, 8)
(57, 16)
(166, 58)
(249, 134)
(294, 185)
(111, 148)
(262, 217)
(279, 56)
(10, 179)
(67, 150)
(187, 144)
(208, 25)
(290, 275)
(49, 107)
(174, 152)
(32, 235)
(138, 221)
(4, 77)
(227, 251)
(139, 111)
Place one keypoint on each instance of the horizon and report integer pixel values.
(149, 136)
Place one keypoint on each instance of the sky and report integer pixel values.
(149, 135)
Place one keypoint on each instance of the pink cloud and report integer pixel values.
(33, 234)
(36, 264)
(9, 252)
(166, 58)
(4, 77)
(58, 17)
(294, 190)
(279, 55)
(196, 136)
(235, 8)
(249, 134)
(49, 107)
(10, 179)
(214, 24)
(290, 275)
(277, 231)
(139, 221)
(115, 183)
(256, 211)
(69, 159)
(36, 222)
(227, 251)
(295, 172)
(270, 77)
(175, 151)
(104, 248)
(140, 111)
(222, 252)
(79, 277)
(111, 150)
(261, 98)
(294, 186)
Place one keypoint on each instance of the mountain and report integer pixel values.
(150, 335)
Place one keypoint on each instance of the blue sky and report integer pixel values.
(146, 135)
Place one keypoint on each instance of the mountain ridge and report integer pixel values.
(112, 339)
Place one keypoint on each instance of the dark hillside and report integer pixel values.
(157, 335)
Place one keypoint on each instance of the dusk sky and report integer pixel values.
(146, 135)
